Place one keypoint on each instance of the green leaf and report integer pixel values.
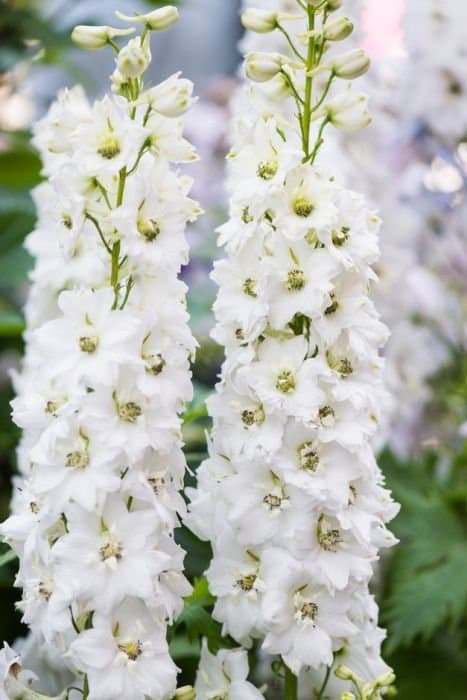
(11, 325)
(7, 557)
(19, 168)
(197, 619)
(428, 572)
(422, 602)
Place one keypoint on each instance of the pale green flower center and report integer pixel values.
(285, 382)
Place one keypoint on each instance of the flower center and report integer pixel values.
(295, 280)
(109, 148)
(253, 416)
(129, 412)
(77, 460)
(341, 236)
(132, 649)
(344, 367)
(156, 482)
(249, 287)
(111, 550)
(308, 457)
(154, 364)
(328, 539)
(67, 221)
(44, 590)
(267, 169)
(303, 207)
(308, 611)
(246, 216)
(88, 343)
(246, 583)
(273, 501)
(327, 416)
(51, 407)
(149, 229)
(285, 382)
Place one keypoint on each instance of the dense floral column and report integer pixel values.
(291, 497)
(105, 377)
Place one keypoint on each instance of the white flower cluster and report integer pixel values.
(291, 497)
(440, 100)
(105, 376)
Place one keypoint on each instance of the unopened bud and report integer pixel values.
(93, 38)
(157, 20)
(338, 29)
(171, 98)
(348, 696)
(351, 65)
(391, 692)
(386, 679)
(334, 5)
(261, 67)
(344, 673)
(133, 59)
(348, 111)
(185, 693)
(260, 21)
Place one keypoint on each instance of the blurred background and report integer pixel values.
(412, 165)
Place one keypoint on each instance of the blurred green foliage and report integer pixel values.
(424, 592)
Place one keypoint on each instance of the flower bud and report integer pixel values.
(185, 693)
(93, 38)
(344, 673)
(172, 98)
(348, 111)
(334, 5)
(386, 679)
(157, 20)
(348, 696)
(351, 65)
(261, 67)
(338, 29)
(260, 21)
(133, 59)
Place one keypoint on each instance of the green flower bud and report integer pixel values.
(259, 21)
(157, 20)
(338, 29)
(93, 38)
(344, 673)
(351, 65)
(261, 67)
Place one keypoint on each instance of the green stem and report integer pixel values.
(290, 43)
(85, 688)
(99, 231)
(114, 273)
(310, 64)
(325, 93)
(121, 186)
(319, 142)
(291, 685)
(325, 683)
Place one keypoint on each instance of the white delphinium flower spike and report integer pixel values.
(291, 497)
(105, 377)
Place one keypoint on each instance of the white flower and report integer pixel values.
(224, 676)
(124, 655)
(303, 618)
